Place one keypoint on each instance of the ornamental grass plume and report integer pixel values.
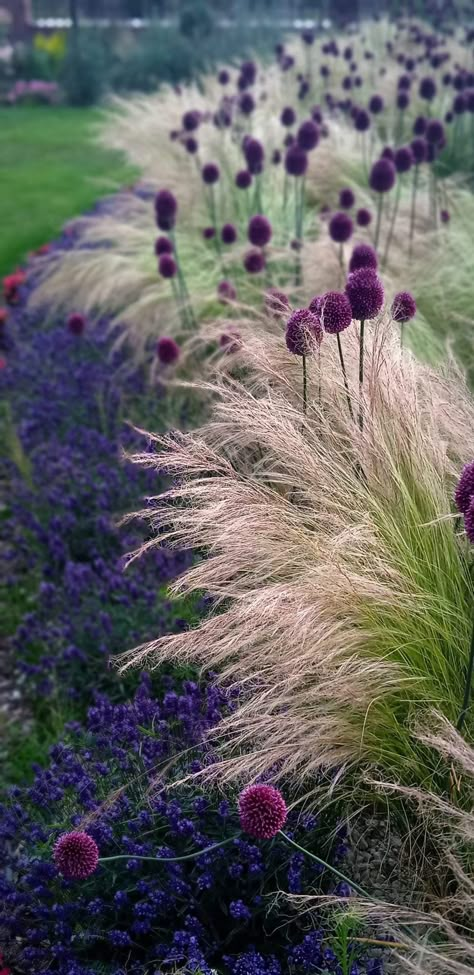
(342, 603)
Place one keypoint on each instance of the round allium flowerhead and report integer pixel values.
(434, 131)
(246, 103)
(166, 207)
(208, 233)
(76, 324)
(469, 522)
(403, 159)
(226, 291)
(445, 216)
(419, 148)
(340, 227)
(365, 292)
(276, 302)
(230, 342)
(223, 77)
(167, 266)
(382, 176)
(190, 121)
(288, 117)
(254, 155)
(228, 233)
(403, 307)
(76, 855)
(276, 159)
(459, 104)
(243, 179)
(376, 104)
(210, 173)
(259, 230)
(254, 262)
(303, 330)
(363, 255)
(296, 161)
(362, 120)
(262, 811)
(388, 153)
(403, 100)
(191, 145)
(346, 198)
(163, 245)
(427, 89)
(419, 125)
(167, 350)
(465, 488)
(363, 217)
(307, 136)
(335, 311)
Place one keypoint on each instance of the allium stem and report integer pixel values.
(305, 386)
(187, 856)
(379, 220)
(468, 686)
(340, 255)
(187, 308)
(392, 223)
(413, 208)
(361, 374)
(334, 870)
(344, 374)
(213, 212)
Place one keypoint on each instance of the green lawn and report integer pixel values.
(50, 171)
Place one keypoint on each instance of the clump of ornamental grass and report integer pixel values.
(343, 598)
(436, 938)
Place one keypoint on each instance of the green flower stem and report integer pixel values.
(188, 856)
(361, 374)
(413, 208)
(468, 686)
(392, 222)
(334, 870)
(344, 374)
(379, 220)
(305, 386)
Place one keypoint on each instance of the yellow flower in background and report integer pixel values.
(52, 44)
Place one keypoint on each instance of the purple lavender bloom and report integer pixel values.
(340, 227)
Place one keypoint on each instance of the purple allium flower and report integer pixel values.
(465, 488)
(254, 155)
(445, 216)
(288, 117)
(228, 233)
(167, 350)
(276, 157)
(248, 71)
(167, 266)
(277, 302)
(254, 262)
(403, 159)
(166, 207)
(296, 161)
(459, 104)
(230, 341)
(163, 245)
(303, 330)
(376, 104)
(346, 198)
(191, 145)
(226, 291)
(382, 176)
(469, 522)
(362, 120)
(317, 115)
(419, 148)
(365, 292)
(210, 173)
(259, 230)
(246, 103)
(434, 131)
(76, 324)
(403, 100)
(340, 227)
(388, 153)
(363, 217)
(363, 255)
(308, 37)
(403, 307)
(262, 810)
(223, 77)
(427, 89)
(308, 135)
(243, 179)
(335, 311)
(76, 855)
(419, 125)
(209, 232)
(190, 121)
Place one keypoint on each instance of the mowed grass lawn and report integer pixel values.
(50, 171)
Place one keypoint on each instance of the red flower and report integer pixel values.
(11, 284)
